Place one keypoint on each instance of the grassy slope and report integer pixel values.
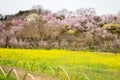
(97, 66)
(2, 78)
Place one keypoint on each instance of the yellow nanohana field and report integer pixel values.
(62, 57)
(93, 64)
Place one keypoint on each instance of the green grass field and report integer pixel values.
(96, 65)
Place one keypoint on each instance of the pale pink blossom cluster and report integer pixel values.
(17, 22)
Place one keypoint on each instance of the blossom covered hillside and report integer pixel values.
(52, 30)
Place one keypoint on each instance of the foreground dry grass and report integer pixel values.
(21, 74)
(96, 65)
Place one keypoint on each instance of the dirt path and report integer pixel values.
(21, 73)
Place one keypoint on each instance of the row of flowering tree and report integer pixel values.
(55, 30)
